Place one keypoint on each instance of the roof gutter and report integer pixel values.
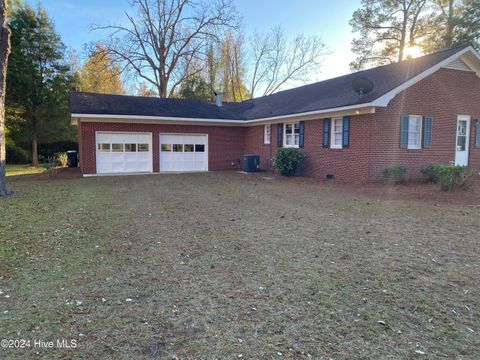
(366, 108)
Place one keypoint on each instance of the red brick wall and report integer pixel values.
(443, 95)
(225, 143)
(375, 138)
(349, 164)
(254, 144)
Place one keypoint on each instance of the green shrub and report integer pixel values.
(394, 174)
(287, 160)
(429, 173)
(17, 155)
(454, 177)
(62, 159)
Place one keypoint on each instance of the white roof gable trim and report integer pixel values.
(472, 58)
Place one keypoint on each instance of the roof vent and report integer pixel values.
(362, 86)
(218, 98)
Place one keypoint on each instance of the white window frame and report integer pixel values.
(293, 145)
(419, 133)
(267, 133)
(332, 133)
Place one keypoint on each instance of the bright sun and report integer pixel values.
(413, 51)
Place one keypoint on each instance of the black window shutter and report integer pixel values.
(477, 135)
(326, 133)
(301, 137)
(280, 135)
(404, 132)
(346, 132)
(427, 132)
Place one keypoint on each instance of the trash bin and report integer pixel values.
(72, 158)
(251, 163)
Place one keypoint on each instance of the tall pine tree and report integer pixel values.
(38, 78)
(385, 30)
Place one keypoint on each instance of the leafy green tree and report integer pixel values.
(453, 23)
(195, 87)
(38, 78)
(470, 23)
(386, 28)
(99, 75)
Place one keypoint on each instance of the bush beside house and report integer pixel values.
(287, 161)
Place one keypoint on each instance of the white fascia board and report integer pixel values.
(153, 119)
(353, 109)
(383, 100)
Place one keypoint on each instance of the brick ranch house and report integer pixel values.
(421, 111)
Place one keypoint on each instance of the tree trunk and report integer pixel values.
(4, 52)
(450, 25)
(34, 150)
(403, 38)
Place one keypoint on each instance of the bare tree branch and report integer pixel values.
(276, 61)
(166, 37)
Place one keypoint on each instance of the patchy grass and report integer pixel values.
(222, 264)
(21, 169)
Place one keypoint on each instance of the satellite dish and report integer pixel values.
(362, 86)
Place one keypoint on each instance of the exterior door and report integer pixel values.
(183, 153)
(463, 140)
(119, 152)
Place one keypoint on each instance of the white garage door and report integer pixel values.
(182, 153)
(124, 152)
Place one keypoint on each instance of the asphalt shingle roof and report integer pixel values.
(332, 93)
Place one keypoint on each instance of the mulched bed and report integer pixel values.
(411, 191)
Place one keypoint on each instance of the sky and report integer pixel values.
(326, 18)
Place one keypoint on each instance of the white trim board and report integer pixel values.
(359, 109)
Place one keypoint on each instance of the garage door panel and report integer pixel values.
(124, 161)
(192, 156)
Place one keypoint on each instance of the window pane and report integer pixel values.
(177, 147)
(130, 147)
(199, 148)
(104, 147)
(288, 139)
(188, 148)
(413, 124)
(297, 128)
(297, 139)
(414, 132)
(413, 138)
(143, 147)
(288, 129)
(337, 139)
(166, 147)
(338, 126)
(266, 135)
(461, 143)
(462, 127)
(117, 147)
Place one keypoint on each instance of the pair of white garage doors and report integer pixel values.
(133, 152)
